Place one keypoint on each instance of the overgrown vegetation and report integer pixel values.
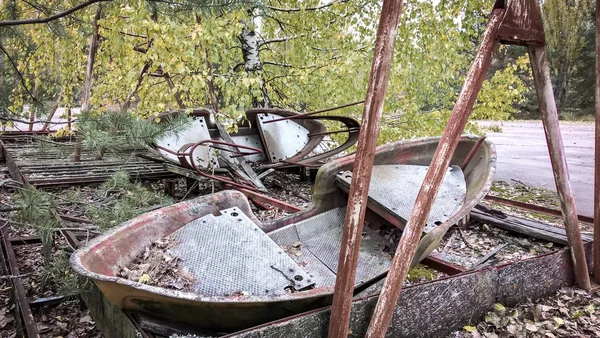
(116, 130)
(123, 201)
(35, 209)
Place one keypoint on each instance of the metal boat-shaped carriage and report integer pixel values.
(248, 272)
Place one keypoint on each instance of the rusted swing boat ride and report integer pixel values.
(248, 272)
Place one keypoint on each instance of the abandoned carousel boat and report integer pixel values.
(245, 272)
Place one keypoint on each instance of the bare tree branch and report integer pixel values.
(282, 39)
(23, 83)
(289, 10)
(50, 18)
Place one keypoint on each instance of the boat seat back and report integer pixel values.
(394, 187)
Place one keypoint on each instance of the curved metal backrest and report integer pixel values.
(313, 126)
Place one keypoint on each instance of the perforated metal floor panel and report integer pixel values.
(229, 254)
(315, 244)
(282, 139)
(395, 187)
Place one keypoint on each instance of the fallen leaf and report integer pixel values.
(499, 308)
(531, 327)
(145, 278)
(590, 309)
(86, 319)
(470, 328)
(558, 322)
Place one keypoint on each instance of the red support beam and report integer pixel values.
(363, 167)
(597, 155)
(431, 184)
(549, 114)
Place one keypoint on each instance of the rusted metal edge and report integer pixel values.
(263, 330)
(549, 114)
(535, 208)
(596, 267)
(416, 222)
(264, 199)
(20, 295)
(472, 153)
(299, 116)
(13, 168)
(365, 155)
(54, 300)
(438, 263)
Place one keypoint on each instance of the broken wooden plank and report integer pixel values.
(523, 226)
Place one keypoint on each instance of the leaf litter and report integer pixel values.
(156, 266)
(569, 313)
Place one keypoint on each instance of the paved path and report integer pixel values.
(523, 155)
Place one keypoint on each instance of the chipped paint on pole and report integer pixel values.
(597, 154)
(365, 154)
(439, 164)
(549, 114)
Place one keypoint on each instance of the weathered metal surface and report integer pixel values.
(258, 267)
(196, 130)
(302, 116)
(264, 199)
(596, 268)
(549, 114)
(522, 24)
(102, 258)
(409, 241)
(436, 262)
(22, 303)
(532, 207)
(52, 166)
(430, 309)
(533, 278)
(318, 241)
(253, 141)
(282, 140)
(423, 310)
(357, 199)
(399, 202)
(472, 153)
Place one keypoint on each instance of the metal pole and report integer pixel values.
(365, 155)
(597, 155)
(431, 184)
(543, 87)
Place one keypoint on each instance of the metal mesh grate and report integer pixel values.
(229, 254)
(395, 188)
(319, 242)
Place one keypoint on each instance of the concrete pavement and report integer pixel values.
(523, 155)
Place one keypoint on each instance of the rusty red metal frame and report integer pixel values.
(439, 164)
(596, 267)
(549, 114)
(264, 199)
(472, 153)
(534, 208)
(363, 167)
(187, 151)
(300, 116)
(19, 289)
